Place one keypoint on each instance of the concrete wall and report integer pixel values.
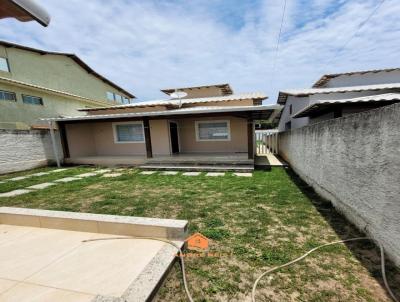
(25, 149)
(354, 161)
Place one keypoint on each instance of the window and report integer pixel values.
(33, 100)
(290, 109)
(110, 96)
(212, 131)
(4, 65)
(126, 101)
(8, 96)
(129, 132)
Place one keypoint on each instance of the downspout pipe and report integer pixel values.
(54, 144)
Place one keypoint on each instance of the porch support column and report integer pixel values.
(54, 143)
(64, 141)
(250, 139)
(147, 137)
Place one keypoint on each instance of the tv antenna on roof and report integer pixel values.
(178, 95)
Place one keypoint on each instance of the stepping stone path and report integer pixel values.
(169, 173)
(112, 174)
(41, 174)
(58, 170)
(42, 186)
(191, 173)
(15, 193)
(147, 172)
(89, 174)
(102, 171)
(215, 174)
(67, 179)
(18, 178)
(243, 174)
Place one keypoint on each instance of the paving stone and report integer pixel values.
(112, 174)
(147, 172)
(89, 174)
(15, 193)
(41, 174)
(18, 178)
(41, 186)
(191, 173)
(215, 174)
(243, 174)
(58, 170)
(2, 182)
(67, 179)
(169, 173)
(102, 171)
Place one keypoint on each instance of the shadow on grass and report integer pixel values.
(366, 252)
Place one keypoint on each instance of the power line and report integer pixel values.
(359, 27)
(279, 40)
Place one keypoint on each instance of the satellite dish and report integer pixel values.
(178, 94)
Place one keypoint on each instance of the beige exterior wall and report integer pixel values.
(202, 92)
(91, 139)
(237, 143)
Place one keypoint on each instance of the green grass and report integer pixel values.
(255, 223)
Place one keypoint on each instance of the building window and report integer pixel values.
(110, 96)
(129, 132)
(113, 97)
(213, 131)
(4, 65)
(126, 101)
(33, 100)
(290, 109)
(8, 96)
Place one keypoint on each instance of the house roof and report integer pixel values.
(225, 88)
(258, 112)
(175, 103)
(73, 57)
(325, 78)
(323, 105)
(282, 97)
(51, 91)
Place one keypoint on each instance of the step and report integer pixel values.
(200, 163)
(202, 168)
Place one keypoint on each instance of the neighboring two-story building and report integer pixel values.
(35, 84)
(337, 95)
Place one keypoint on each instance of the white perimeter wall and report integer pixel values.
(26, 149)
(354, 161)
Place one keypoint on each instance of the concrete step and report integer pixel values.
(198, 168)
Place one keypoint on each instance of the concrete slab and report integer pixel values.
(60, 265)
(191, 173)
(215, 174)
(89, 174)
(15, 193)
(67, 179)
(169, 173)
(42, 186)
(243, 174)
(147, 172)
(58, 170)
(112, 174)
(18, 178)
(103, 171)
(41, 174)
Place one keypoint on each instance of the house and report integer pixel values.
(337, 95)
(35, 83)
(210, 125)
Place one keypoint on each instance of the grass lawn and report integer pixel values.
(254, 223)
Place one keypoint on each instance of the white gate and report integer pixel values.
(267, 141)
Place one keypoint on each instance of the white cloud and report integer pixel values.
(148, 45)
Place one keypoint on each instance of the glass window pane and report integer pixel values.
(4, 65)
(126, 100)
(33, 100)
(118, 98)
(110, 96)
(130, 133)
(8, 96)
(217, 130)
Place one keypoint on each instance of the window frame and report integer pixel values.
(32, 96)
(10, 92)
(115, 132)
(8, 65)
(228, 125)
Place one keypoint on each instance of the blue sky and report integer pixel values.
(147, 45)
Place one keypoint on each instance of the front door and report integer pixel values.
(173, 134)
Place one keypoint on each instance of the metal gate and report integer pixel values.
(267, 142)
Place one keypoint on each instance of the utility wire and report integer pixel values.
(278, 42)
(359, 27)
